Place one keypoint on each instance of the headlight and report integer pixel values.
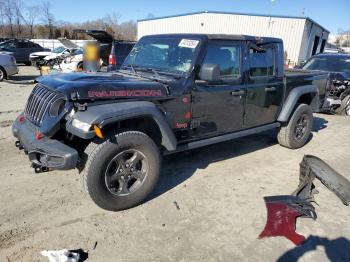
(81, 125)
(57, 107)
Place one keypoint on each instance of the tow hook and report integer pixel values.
(40, 169)
(18, 145)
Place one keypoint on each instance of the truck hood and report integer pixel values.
(103, 86)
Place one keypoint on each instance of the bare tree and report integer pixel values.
(48, 17)
(8, 14)
(17, 14)
(2, 18)
(31, 13)
(16, 19)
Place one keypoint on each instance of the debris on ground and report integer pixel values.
(65, 255)
(282, 211)
(176, 205)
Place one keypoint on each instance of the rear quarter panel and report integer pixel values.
(295, 78)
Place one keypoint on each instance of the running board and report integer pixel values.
(223, 138)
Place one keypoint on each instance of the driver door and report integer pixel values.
(218, 107)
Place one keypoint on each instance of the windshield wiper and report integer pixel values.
(149, 69)
(131, 67)
(158, 72)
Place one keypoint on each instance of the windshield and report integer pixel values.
(331, 64)
(8, 44)
(58, 50)
(172, 54)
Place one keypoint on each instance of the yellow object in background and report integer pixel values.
(92, 52)
(92, 56)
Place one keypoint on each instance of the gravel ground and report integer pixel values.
(208, 205)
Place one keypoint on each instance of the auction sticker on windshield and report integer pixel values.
(188, 43)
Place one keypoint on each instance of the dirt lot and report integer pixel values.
(208, 205)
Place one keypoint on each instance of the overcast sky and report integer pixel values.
(332, 14)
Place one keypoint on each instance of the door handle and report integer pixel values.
(270, 89)
(238, 93)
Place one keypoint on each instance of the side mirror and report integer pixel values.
(209, 72)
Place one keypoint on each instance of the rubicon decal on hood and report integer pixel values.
(125, 93)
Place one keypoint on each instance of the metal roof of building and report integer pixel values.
(234, 13)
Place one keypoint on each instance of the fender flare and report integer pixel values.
(105, 114)
(293, 98)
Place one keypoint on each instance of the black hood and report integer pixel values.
(83, 86)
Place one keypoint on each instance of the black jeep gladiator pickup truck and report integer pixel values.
(173, 93)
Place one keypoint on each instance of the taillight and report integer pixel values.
(13, 60)
(112, 59)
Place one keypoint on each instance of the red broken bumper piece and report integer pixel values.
(282, 213)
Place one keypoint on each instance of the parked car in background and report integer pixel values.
(338, 90)
(336, 64)
(39, 59)
(20, 49)
(58, 54)
(8, 66)
(74, 63)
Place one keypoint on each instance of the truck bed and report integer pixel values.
(298, 77)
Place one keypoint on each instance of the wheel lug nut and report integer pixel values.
(132, 169)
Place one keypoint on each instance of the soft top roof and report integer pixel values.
(223, 37)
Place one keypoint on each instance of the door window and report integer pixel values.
(23, 45)
(228, 57)
(262, 62)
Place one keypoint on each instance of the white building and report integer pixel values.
(302, 36)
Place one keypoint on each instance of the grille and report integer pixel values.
(38, 103)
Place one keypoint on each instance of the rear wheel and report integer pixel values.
(2, 74)
(121, 171)
(297, 132)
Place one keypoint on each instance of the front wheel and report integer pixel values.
(297, 132)
(122, 170)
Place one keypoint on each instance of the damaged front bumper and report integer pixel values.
(43, 151)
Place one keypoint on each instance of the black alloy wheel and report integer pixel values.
(126, 172)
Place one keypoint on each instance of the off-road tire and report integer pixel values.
(99, 155)
(287, 134)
